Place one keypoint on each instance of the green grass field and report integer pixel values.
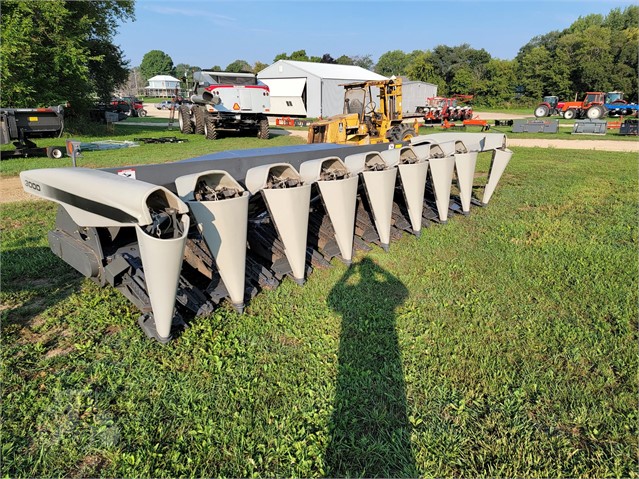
(503, 344)
(194, 145)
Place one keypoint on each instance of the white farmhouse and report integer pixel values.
(162, 85)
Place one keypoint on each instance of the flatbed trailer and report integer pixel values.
(21, 124)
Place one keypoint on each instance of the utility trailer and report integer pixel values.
(21, 124)
(178, 239)
(226, 102)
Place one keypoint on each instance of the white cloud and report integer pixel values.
(217, 19)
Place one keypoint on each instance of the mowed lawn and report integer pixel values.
(503, 344)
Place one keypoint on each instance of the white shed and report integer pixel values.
(310, 89)
(162, 85)
(415, 93)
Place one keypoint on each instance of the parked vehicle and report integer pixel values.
(130, 106)
(166, 105)
(550, 105)
(223, 101)
(20, 125)
(137, 107)
(597, 105)
(364, 121)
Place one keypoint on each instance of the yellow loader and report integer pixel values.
(364, 121)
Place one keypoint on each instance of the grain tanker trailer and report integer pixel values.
(226, 102)
(178, 239)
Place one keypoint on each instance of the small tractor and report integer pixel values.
(597, 105)
(617, 106)
(223, 101)
(439, 109)
(550, 105)
(128, 105)
(590, 107)
(364, 121)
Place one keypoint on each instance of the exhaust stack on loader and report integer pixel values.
(185, 236)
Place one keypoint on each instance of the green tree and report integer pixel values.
(345, 60)
(258, 67)
(463, 82)
(423, 69)
(156, 62)
(327, 58)
(595, 53)
(184, 72)
(592, 68)
(534, 67)
(239, 66)
(363, 61)
(498, 85)
(392, 63)
(299, 55)
(57, 51)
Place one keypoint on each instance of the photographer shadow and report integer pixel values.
(369, 430)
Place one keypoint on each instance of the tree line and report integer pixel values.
(73, 58)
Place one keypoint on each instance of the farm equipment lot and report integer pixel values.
(508, 346)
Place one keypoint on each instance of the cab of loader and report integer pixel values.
(372, 114)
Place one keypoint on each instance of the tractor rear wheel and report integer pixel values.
(184, 120)
(394, 134)
(542, 111)
(595, 112)
(262, 129)
(210, 132)
(407, 133)
(198, 114)
(570, 114)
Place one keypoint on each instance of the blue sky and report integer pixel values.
(214, 32)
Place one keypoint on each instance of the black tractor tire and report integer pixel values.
(141, 112)
(184, 120)
(200, 116)
(54, 152)
(263, 132)
(596, 112)
(542, 111)
(570, 114)
(394, 134)
(407, 133)
(210, 131)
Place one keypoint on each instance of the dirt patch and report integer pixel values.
(11, 187)
(11, 190)
(599, 145)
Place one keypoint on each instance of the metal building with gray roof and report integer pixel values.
(310, 89)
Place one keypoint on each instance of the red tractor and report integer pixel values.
(592, 106)
(130, 106)
(550, 105)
